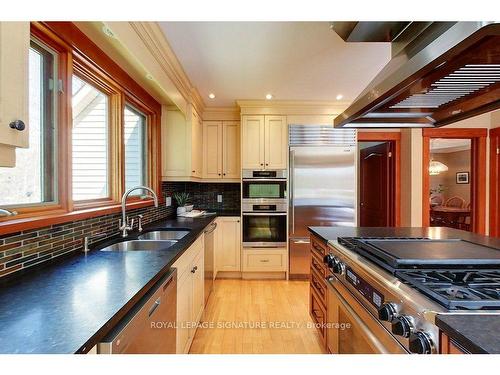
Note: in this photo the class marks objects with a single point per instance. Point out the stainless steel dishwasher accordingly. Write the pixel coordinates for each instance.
(149, 328)
(209, 260)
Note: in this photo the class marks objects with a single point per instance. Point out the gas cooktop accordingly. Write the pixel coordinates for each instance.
(457, 289)
(457, 274)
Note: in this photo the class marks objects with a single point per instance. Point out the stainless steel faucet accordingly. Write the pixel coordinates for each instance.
(4, 212)
(87, 239)
(125, 225)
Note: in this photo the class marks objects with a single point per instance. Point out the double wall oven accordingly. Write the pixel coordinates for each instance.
(264, 208)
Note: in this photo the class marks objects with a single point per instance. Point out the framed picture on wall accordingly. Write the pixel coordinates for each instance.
(462, 177)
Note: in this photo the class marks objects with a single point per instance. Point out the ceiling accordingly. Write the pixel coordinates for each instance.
(445, 145)
(290, 60)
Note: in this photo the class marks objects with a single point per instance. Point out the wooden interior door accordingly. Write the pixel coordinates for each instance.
(494, 182)
(375, 186)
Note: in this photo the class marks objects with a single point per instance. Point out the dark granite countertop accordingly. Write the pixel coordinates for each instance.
(70, 305)
(475, 333)
(332, 233)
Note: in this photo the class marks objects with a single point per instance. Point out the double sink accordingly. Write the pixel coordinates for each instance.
(150, 241)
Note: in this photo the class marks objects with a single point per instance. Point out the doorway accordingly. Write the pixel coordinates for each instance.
(495, 182)
(378, 179)
(454, 178)
(449, 183)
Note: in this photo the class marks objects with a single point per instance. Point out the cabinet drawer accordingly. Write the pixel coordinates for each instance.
(184, 262)
(318, 248)
(318, 285)
(265, 260)
(318, 266)
(318, 313)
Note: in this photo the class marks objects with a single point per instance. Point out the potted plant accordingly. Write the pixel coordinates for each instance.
(181, 199)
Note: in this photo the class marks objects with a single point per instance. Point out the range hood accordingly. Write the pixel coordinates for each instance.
(439, 73)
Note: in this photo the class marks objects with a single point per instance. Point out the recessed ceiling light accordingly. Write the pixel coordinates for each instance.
(269, 96)
(211, 95)
(339, 96)
(106, 30)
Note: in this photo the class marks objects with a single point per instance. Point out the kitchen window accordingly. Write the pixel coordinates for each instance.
(93, 133)
(90, 141)
(33, 181)
(135, 139)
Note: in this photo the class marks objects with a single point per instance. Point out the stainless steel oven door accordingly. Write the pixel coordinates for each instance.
(264, 229)
(256, 189)
(352, 329)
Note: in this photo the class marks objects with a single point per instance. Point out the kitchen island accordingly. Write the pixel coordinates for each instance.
(447, 296)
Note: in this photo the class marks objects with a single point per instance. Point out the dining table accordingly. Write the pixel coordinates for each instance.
(450, 215)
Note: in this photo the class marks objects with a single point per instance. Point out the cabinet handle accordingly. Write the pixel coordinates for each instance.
(193, 171)
(223, 174)
(195, 268)
(154, 307)
(262, 164)
(219, 174)
(264, 260)
(267, 164)
(18, 125)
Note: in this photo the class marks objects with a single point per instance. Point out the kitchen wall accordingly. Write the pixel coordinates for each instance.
(411, 167)
(458, 161)
(20, 251)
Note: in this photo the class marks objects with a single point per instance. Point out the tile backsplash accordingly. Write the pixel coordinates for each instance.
(21, 250)
(204, 195)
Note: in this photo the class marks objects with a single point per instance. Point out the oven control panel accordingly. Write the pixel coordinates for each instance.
(364, 288)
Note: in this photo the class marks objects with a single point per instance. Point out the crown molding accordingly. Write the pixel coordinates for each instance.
(155, 41)
(221, 114)
(291, 107)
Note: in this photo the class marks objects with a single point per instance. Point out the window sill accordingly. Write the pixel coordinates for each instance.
(29, 221)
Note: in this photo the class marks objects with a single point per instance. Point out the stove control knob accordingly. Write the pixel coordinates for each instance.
(339, 267)
(401, 326)
(387, 312)
(329, 260)
(420, 343)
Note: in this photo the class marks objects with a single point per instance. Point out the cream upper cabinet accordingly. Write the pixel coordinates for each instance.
(212, 149)
(182, 145)
(264, 142)
(228, 249)
(196, 146)
(252, 142)
(14, 93)
(276, 145)
(221, 150)
(231, 167)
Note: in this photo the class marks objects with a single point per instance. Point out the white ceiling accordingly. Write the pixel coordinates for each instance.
(445, 145)
(291, 60)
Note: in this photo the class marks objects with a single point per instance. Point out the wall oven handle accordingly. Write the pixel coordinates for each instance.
(359, 323)
(264, 213)
(264, 179)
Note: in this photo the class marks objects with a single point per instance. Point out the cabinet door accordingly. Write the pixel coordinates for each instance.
(276, 145)
(212, 149)
(196, 146)
(198, 275)
(252, 138)
(229, 252)
(184, 312)
(14, 75)
(231, 150)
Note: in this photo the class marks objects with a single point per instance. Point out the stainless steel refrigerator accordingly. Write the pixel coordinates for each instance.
(322, 186)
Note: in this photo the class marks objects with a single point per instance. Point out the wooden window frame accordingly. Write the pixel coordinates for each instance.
(78, 54)
(478, 138)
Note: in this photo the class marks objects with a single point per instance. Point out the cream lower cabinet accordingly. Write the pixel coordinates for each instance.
(14, 92)
(265, 260)
(228, 244)
(190, 294)
(221, 150)
(264, 142)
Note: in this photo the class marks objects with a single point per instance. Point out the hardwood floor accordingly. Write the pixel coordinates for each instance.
(237, 307)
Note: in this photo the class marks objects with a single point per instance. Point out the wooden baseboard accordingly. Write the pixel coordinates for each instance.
(263, 275)
(228, 275)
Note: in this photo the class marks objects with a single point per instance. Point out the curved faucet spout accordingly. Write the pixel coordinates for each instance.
(124, 225)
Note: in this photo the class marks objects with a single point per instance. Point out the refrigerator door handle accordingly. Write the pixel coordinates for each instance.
(292, 193)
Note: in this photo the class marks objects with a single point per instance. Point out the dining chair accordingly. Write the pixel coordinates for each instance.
(457, 202)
